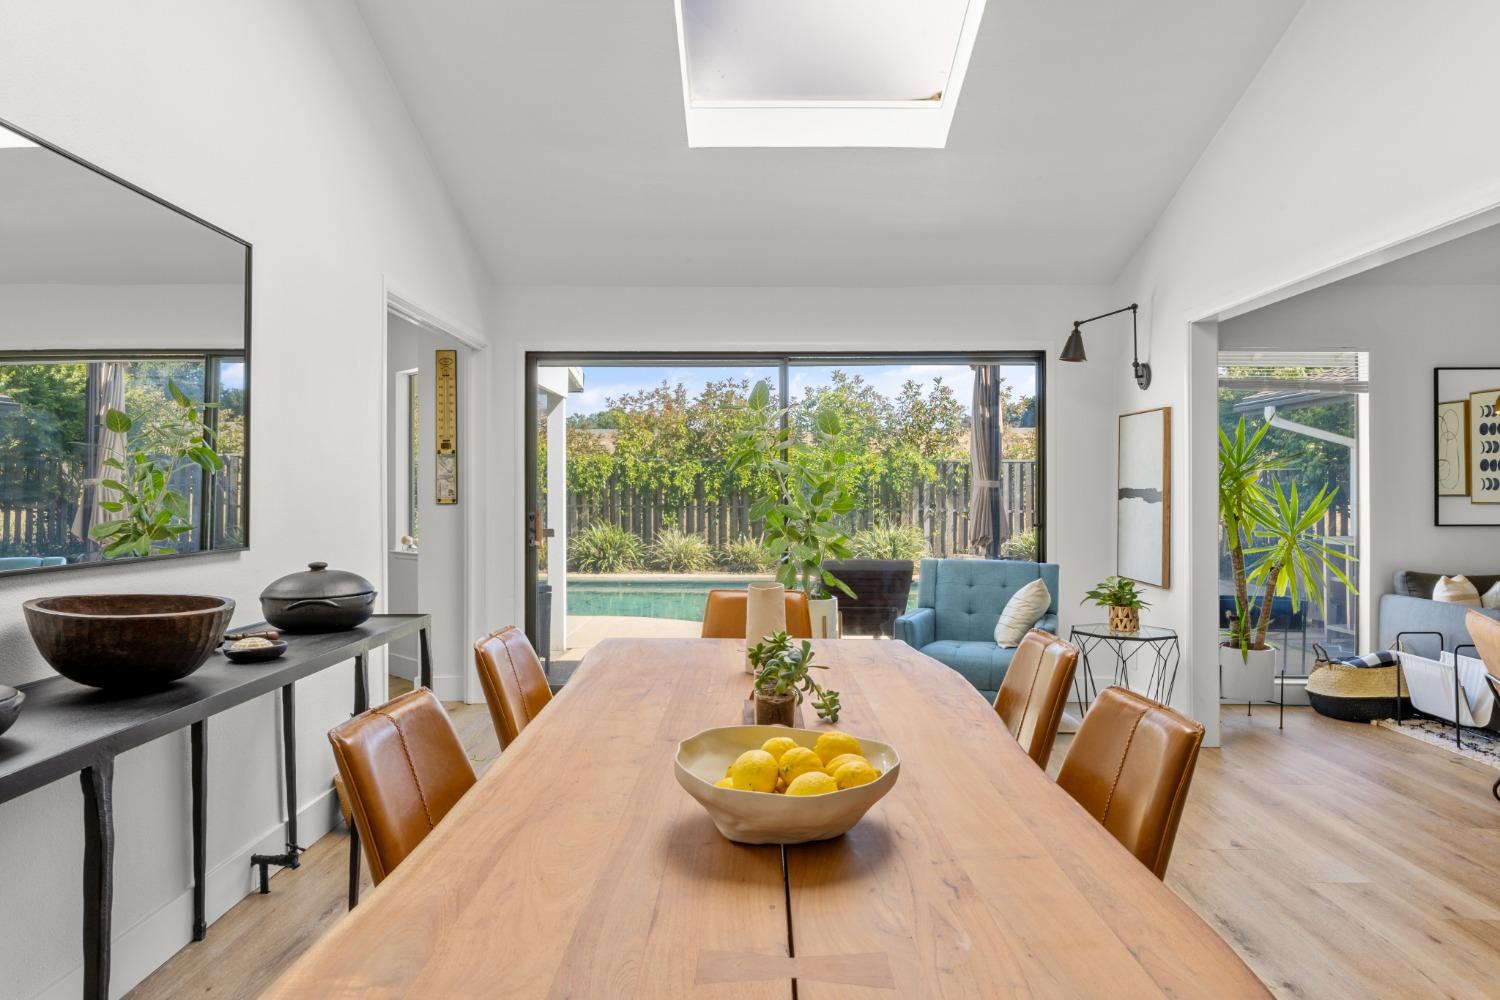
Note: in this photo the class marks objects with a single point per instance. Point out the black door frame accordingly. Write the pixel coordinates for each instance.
(784, 361)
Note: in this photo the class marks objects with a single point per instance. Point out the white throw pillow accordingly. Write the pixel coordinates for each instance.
(1491, 598)
(1021, 612)
(1456, 590)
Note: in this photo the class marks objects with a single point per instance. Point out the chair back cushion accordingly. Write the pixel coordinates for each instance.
(967, 595)
(1035, 692)
(1130, 766)
(515, 686)
(403, 768)
(724, 614)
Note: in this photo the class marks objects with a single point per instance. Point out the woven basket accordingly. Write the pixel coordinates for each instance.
(1354, 694)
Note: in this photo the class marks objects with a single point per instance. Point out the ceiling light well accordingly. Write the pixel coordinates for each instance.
(835, 73)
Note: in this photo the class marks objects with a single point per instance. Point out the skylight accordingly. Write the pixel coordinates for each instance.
(823, 72)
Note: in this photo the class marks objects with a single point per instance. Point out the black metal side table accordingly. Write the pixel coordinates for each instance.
(1166, 656)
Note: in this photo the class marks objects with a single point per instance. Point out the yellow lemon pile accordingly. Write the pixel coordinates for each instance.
(782, 765)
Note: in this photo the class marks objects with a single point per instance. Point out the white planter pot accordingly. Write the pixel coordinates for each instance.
(1252, 680)
(824, 612)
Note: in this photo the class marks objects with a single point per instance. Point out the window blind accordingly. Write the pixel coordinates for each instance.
(1281, 371)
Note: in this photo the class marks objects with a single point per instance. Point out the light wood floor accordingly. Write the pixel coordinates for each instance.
(1339, 860)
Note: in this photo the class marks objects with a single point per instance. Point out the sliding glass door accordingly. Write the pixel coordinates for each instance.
(636, 513)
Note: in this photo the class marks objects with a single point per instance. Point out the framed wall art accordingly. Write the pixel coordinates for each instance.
(1466, 446)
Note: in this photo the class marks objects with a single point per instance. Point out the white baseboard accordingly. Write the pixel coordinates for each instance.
(448, 688)
(140, 949)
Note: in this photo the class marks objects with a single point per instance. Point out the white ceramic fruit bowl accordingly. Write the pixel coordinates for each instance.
(765, 818)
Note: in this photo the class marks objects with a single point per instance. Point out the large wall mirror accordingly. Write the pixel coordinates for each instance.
(124, 370)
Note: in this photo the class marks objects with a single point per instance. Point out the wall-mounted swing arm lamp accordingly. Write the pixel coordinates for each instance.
(1073, 349)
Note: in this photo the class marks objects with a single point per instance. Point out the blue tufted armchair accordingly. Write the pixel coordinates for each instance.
(958, 603)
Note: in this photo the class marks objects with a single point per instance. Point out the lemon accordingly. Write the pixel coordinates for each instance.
(724, 783)
(854, 773)
(811, 783)
(778, 745)
(842, 759)
(797, 761)
(754, 771)
(831, 745)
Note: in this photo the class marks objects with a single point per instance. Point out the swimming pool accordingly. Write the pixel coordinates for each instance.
(652, 596)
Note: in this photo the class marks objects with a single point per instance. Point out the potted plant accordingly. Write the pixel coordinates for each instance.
(1273, 527)
(782, 678)
(806, 498)
(1122, 599)
(151, 514)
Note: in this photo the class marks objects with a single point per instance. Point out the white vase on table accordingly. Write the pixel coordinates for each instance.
(765, 614)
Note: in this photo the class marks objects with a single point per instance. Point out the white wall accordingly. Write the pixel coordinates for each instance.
(48, 317)
(1408, 330)
(1080, 416)
(1366, 126)
(277, 121)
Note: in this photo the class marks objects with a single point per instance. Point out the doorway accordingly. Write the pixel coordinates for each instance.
(425, 526)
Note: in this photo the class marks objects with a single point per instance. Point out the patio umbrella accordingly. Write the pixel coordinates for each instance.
(986, 518)
(106, 391)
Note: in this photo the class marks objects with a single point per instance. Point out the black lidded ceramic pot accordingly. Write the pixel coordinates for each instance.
(318, 599)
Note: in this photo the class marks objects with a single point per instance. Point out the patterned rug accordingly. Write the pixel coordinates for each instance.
(1479, 744)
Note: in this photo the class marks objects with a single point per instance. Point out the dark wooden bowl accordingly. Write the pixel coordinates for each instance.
(127, 643)
(10, 706)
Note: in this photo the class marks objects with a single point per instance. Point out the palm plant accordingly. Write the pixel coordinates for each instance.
(1273, 526)
(1292, 559)
(1242, 505)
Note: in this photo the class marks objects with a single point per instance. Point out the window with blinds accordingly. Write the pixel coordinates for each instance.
(1280, 371)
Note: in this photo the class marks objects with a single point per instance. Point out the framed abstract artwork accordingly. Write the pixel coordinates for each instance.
(1143, 500)
(1466, 446)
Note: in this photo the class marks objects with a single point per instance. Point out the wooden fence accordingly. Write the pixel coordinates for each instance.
(33, 525)
(940, 508)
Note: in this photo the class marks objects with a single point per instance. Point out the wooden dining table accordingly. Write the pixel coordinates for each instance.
(578, 867)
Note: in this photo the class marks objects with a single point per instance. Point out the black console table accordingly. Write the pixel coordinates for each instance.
(66, 728)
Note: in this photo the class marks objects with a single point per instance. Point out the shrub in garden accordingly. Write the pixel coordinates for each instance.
(889, 541)
(1021, 545)
(604, 548)
(745, 555)
(677, 551)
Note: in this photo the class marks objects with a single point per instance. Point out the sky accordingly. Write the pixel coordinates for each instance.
(602, 382)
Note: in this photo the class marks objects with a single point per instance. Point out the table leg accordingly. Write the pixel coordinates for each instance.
(98, 874)
(353, 866)
(361, 685)
(425, 658)
(198, 736)
(289, 858)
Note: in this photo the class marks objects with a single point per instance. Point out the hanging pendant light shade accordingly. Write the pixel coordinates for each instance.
(1073, 349)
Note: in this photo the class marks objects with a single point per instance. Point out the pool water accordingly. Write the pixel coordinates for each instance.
(682, 599)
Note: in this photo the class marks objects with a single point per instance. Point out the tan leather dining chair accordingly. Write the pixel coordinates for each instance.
(403, 768)
(515, 686)
(1485, 631)
(1035, 692)
(724, 615)
(1130, 766)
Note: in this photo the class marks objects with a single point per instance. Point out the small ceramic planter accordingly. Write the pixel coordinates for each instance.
(775, 709)
(1124, 619)
(824, 613)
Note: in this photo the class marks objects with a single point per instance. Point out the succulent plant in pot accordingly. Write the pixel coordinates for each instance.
(782, 679)
(1123, 600)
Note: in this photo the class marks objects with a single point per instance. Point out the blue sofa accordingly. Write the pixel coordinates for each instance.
(1412, 609)
(958, 603)
(30, 562)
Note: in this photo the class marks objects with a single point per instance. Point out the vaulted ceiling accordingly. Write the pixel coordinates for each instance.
(558, 128)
